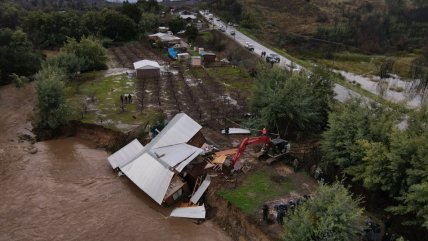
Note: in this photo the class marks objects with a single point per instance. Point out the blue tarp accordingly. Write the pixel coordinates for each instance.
(172, 53)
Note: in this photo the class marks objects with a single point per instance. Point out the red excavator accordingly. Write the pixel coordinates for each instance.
(273, 148)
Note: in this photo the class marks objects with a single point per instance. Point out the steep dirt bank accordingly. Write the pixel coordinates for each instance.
(238, 225)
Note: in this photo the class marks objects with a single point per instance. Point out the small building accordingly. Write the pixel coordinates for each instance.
(163, 29)
(196, 61)
(166, 39)
(182, 56)
(207, 57)
(147, 69)
(188, 16)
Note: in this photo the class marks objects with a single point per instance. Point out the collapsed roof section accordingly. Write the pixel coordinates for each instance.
(152, 167)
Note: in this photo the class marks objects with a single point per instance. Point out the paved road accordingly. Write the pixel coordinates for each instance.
(342, 93)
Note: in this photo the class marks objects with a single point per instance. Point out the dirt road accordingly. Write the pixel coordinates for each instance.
(67, 191)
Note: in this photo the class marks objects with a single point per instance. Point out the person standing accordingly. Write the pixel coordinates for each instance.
(121, 99)
(129, 98)
(265, 213)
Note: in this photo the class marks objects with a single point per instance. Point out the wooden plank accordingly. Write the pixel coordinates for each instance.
(226, 152)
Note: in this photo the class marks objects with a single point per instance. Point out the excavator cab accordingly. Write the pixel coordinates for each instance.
(279, 146)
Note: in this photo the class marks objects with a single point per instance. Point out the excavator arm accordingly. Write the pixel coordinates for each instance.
(249, 141)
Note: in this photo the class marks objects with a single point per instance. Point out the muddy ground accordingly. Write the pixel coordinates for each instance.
(67, 191)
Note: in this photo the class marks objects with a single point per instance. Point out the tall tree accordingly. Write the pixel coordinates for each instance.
(53, 110)
(332, 215)
(16, 55)
(89, 50)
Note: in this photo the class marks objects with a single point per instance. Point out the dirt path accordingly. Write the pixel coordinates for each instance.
(67, 191)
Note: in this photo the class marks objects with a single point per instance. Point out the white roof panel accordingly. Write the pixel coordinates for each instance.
(125, 154)
(183, 164)
(146, 64)
(204, 186)
(180, 129)
(189, 212)
(150, 175)
(237, 131)
(175, 154)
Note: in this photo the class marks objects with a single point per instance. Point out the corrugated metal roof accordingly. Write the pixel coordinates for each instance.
(149, 175)
(125, 154)
(204, 186)
(182, 165)
(180, 129)
(189, 212)
(175, 154)
(149, 167)
(146, 64)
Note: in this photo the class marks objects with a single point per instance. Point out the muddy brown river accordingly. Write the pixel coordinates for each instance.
(67, 190)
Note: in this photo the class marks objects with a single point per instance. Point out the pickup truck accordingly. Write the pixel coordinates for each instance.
(249, 46)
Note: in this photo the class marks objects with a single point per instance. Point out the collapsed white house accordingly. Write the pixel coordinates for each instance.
(157, 167)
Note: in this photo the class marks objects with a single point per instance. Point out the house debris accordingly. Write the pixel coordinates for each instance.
(166, 166)
(237, 131)
(189, 212)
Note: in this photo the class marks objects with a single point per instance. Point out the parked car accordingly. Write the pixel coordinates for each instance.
(222, 29)
(230, 23)
(249, 46)
(232, 33)
(272, 58)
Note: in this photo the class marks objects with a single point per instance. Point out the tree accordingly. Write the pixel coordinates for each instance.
(176, 25)
(90, 52)
(53, 110)
(192, 32)
(16, 55)
(117, 26)
(69, 62)
(10, 14)
(148, 22)
(132, 11)
(92, 21)
(288, 102)
(332, 215)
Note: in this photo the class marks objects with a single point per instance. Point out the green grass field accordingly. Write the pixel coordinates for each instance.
(106, 107)
(257, 188)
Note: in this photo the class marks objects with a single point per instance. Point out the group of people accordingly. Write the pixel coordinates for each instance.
(373, 231)
(263, 54)
(126, 99)
(282, 209)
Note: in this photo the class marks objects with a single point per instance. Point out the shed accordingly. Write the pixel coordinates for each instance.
(147, 69)
(183, 56)
(165, 38)
(207, 57)
(196, 61)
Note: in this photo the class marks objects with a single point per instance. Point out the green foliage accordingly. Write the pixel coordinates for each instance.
(148, 22)
(366, 143)
(16, 55)
(332, 215)
(176, 24)
(10, 14)
(92, 22)
(89, 50)
(118, 27)
(192, 32)
(69, 62)
(294, 103)
(132, 11)
(19, 81)
(249, 19)
(53, 110)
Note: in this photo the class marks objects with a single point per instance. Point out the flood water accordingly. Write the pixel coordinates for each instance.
(67, 191)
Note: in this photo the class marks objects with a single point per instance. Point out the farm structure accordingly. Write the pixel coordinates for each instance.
(147, 69)
(178, 89)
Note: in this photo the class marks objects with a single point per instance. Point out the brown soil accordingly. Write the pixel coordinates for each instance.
(66, 190)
